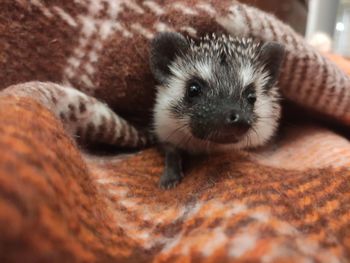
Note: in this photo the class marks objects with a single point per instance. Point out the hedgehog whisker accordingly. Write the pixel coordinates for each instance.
(186, 140)
(182, 127)
(255, 131)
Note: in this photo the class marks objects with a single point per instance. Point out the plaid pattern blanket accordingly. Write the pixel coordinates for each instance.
(76, 74)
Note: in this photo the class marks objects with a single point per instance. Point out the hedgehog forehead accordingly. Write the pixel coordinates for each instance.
(233, 48)
(203, 60)
(239, 54)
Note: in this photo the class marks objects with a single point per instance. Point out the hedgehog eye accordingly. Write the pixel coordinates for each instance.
(194, 89)
(251, 98)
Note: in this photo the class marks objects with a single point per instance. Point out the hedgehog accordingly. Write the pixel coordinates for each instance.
(216, 93)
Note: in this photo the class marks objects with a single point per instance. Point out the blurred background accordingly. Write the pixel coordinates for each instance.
(324, 23)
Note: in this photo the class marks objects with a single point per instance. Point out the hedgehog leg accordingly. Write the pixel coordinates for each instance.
(173, 168)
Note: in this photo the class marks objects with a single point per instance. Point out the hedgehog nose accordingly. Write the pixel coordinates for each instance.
(232, 118)
(237, 121)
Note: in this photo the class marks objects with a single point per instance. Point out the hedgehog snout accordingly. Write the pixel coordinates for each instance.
(223, 124)
(238, 122)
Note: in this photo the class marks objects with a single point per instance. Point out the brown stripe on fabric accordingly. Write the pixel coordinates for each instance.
(259, 194)
(290, 74)
(307, 178)
(147, 224)
(293, 37)
(144, 139)
(248, 20)
(169, 230)
(216, 223)
(73, 117)
(330, 96)
(288, 37)
(294, 81)
(14, 200)
(132, 140)
(341, 97)
(344, 234)
(271, 27)
(112, 125)
(335, 215)
(193, 225)
(284, 79)
(90, 131)
(329, 93)
(268, 232)
(301, 80)
(279, 204)
(140, 139)
(232, 229)
(309, 89)
(341, 215)
(320, 203)
(312, 86)
(40, 93)
(71, 107)
(103, 12)
(100, 135)
(322, 86)
(132, 136)
(279, 209)
(52, 96)
(316, 227)
(288, 180)
(120, 132)
(62, 116)
(346, 111)
(82, 106)
(303, 212)
(54, 100)
(263, 198)
(285, 62)
(322, 223)
(284, 39)
(59, 92)
(129, 214)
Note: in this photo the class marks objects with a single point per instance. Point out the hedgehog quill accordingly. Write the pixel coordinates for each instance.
(215, 94)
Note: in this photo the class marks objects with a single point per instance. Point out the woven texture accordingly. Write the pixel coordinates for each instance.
(85, 64)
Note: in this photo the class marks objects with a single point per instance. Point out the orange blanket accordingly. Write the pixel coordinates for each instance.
(63, 202)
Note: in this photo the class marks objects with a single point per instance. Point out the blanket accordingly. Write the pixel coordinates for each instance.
(75, 74)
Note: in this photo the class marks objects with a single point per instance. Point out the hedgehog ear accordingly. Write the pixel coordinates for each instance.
(164, 48)
(272, 54)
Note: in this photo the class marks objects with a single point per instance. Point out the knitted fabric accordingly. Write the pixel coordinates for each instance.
(88, 78)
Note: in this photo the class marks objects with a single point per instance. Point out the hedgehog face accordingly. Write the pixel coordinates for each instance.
(223, 117)
(216, 93)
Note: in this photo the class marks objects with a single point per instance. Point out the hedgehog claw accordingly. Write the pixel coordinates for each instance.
(168, 182)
